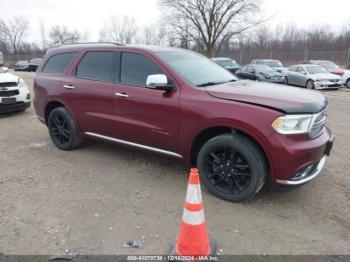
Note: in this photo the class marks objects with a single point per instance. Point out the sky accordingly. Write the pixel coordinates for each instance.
(89, 16)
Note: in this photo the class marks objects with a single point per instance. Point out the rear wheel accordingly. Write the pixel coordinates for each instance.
(348, 83)
(63, 130)
(286, 81)
(310, 84)
(232, 167)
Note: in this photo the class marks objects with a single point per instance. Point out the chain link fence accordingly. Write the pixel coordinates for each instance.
(341, 57)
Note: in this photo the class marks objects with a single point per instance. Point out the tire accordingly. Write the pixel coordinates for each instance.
(310, 84)
(286, 82)
(63, 131)
(232, 167)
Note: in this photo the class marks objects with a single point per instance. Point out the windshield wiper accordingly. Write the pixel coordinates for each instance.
(216, 83)
(209, 84)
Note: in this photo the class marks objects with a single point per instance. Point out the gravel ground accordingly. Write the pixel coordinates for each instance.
(94, 199)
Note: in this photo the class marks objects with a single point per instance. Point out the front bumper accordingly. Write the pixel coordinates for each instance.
(299, 159)
(306, 175)
(20, 106)
(328, 85)
(22, 100)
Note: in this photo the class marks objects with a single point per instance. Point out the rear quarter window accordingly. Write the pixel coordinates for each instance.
(58, 63)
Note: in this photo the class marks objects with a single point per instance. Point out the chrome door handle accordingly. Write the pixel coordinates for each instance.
(123, 95)
(68, 87)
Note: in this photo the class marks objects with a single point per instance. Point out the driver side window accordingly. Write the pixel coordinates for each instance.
(135, 68)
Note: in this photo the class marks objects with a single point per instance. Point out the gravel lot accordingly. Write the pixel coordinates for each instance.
(94, 199)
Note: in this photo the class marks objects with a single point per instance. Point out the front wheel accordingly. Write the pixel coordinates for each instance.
(310, 84)
(63, 130)
(232, 167)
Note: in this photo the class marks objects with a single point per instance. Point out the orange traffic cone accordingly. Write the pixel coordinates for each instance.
(193, 237)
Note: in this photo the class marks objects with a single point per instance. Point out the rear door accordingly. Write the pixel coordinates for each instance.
(89, 91)
(145, 116)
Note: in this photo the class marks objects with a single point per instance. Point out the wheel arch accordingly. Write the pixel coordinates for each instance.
(51, 106)
(210, 132)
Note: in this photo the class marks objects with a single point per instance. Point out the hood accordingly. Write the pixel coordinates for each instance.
(325, 76)
(7, 77)
(290, 100)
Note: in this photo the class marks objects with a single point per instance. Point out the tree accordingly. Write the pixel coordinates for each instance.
(118, 30)
(153, 34)
(13, 32)
(212, 22)
(61, 35)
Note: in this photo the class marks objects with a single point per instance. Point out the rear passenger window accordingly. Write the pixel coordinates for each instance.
(97, 66)
(58, 63)
(135, 69)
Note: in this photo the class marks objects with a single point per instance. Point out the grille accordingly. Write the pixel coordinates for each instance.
(333, 80)
(8, 84)
(9, 93)
(319, 124)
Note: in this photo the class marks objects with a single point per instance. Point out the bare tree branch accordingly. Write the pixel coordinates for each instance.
(13, 32)
(119, 30)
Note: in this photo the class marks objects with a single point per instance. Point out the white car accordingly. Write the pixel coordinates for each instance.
(14, 93)
(346, 78)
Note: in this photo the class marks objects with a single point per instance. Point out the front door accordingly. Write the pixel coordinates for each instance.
(145, 116)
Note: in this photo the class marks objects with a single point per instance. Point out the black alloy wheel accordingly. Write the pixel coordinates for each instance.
(63, 130)
(232, 167)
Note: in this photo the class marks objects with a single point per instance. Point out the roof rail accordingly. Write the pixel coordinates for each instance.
(93, 43)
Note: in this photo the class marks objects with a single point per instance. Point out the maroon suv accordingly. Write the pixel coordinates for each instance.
(240, 134)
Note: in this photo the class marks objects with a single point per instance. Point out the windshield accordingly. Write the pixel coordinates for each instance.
(274, 63)
(22, 62)
(264, 69)
(316, 70)
(329, 65)
(227, 63)
(196, 69)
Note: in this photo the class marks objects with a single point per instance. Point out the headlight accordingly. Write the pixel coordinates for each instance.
(21, 83)
(293, 124)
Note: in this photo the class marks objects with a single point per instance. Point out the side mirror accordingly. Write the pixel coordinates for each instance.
(159, 82)
(5, 69)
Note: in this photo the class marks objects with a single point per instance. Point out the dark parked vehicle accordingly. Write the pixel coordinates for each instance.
(328, 65)
(33, 64)
(262, 73)
(178, 103)
(227, 63)
(274, 64)
(21, 66)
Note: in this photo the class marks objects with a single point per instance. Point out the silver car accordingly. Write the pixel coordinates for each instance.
(312, 77)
